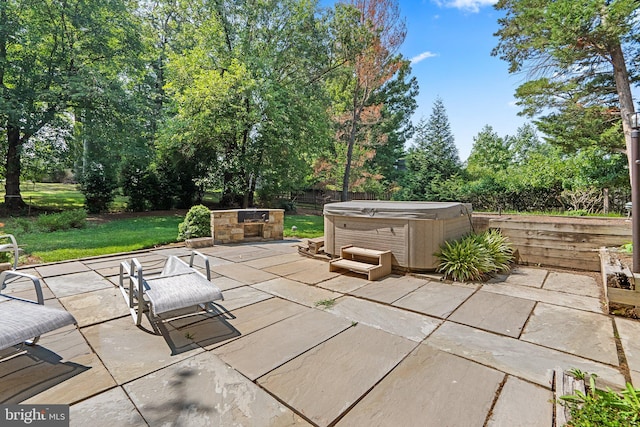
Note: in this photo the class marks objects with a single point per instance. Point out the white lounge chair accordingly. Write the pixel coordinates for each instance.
(178, 286)
(23, 320)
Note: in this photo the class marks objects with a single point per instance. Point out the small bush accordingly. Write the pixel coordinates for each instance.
(65, 220)
(475, 257)
(288, 205)
(603, 407)
(98, 186)
(197, 223)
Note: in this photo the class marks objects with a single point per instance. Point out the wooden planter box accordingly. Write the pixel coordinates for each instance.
(613, 272)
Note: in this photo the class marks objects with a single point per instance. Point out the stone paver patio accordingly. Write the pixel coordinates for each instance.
(402, 351)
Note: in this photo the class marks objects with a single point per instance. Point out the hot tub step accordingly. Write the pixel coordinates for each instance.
(375, 264)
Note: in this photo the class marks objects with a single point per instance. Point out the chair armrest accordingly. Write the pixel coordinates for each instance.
(8, 274)
(206, 262)
(14, 246)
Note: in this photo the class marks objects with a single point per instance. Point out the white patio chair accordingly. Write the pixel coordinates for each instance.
(23, 320)
(178, 286)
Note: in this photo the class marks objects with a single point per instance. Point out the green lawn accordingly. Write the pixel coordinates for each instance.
(111, 236)
(59, 197)
(122, 235)
(308, 226)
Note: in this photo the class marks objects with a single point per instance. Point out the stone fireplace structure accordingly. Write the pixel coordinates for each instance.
(247, 225)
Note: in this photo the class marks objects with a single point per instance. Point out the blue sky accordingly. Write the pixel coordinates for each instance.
(450, 43)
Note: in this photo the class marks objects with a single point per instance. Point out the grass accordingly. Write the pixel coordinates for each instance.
(114, 236)
(48, 196)
(307, 226)
(123, 235)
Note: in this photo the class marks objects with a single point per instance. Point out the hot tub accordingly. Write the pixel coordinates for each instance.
(412, 231)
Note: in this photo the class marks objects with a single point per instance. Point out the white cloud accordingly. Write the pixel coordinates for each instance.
(422, 57)
(466, 5)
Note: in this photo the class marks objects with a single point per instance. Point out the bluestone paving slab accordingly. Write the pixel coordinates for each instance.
(129, 352)
(317, 273)
(344, 283)
(238, 257)
(289, 268)
(522, 404)
(68, 347)
(522, 276)
(436, 298)
(88, 382)
(629, 331)
(24, 288)
(324, 382)
(211, 332)
(518, 358)
(256, 354)
(493, 312)
(429, 388)
(243, 273)
(109, 409)
(296, 291)
(97, 306)
(77, 283)
(579, 284)
(54, 371)
(273, 260)
(284, 246)
(49, 270)
(224, 283)
(203, 391)
(241, 297)
(585, 334)
(175, 251)
(548, 296)
(389, 289)
(413, 326)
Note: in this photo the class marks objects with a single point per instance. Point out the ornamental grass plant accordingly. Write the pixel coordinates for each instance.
(475, 257)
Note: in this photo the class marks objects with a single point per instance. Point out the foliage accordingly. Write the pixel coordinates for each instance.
(64, 220)
(369, 34)
(433, 160)
(197, 223)
(576, 58)
(603, 407)
(98, 185)
(325, 303)
(56, 57)
(97, 239)
(475, 256)
(247, 98)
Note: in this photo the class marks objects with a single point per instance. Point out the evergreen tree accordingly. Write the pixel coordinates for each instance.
(434, 158)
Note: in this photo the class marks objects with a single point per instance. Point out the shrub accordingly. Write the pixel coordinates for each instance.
(197, 223)
(603, 407)
(65, 220)
(98, 186)
(475, 257)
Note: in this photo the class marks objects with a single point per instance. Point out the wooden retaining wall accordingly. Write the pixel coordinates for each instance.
(567, 242)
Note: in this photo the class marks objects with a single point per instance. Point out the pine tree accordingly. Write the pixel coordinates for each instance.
(434, 158)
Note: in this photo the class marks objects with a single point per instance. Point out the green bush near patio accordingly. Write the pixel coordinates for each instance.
(197, 223)
(605, 408)
(475, 257)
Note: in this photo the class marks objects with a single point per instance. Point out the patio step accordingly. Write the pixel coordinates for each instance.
(373, 263)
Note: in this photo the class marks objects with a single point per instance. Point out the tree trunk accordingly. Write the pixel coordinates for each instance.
(344, 196)
(621, 77)
(13, 198)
